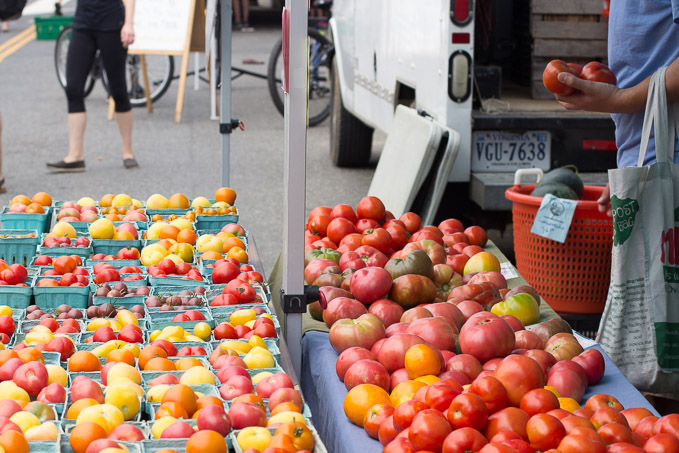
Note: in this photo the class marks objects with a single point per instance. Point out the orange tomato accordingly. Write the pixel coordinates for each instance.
(282, 441)
(84, 361)
(206, 401)
(47, 282)
(206, 441)
(84, 434)
(404, 392)
(42, 198)
(188, 362)
(21, 199)
(7, 354)
(31, 355)
(183, 395)
(421, 360)
(211, 255)
(160, 364)
(600, 400)
(150, 352)
(232, 242)
(251, 398)
(169, 232)
(14, 442)
(34, 208)
(172, 409)
(106, 200)
(187, 236)
(121, 355)
(300, 434)
(239, 254)
(226, 194)
(77, 407)
(285, 407)
(363, 397)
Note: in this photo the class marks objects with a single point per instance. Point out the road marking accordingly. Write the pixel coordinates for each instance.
(17, 42)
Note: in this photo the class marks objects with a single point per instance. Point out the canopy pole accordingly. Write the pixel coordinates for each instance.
(225, 127)
(293, 300)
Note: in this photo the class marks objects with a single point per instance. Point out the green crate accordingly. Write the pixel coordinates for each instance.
(118, 263)
(18, 250)
(176, 282)
(111, 247)
(49, 27)
(53, 296)
(21, 221)
(17, 296)
(82, 252)
(166, 212)
(81, 227)
(215, 222)
(178, 445)
(162, 319)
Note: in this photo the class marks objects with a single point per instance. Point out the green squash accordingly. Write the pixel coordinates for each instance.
(566, 176)
(555, 188)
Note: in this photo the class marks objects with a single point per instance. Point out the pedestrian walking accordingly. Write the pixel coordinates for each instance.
(107, 26)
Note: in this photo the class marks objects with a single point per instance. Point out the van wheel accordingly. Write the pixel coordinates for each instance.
(350, 138)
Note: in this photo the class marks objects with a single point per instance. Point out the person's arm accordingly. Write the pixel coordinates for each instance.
(603, 97)
(127, 32)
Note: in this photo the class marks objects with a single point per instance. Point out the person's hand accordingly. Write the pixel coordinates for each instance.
(604, 201)
(127, 35)
(590, 96)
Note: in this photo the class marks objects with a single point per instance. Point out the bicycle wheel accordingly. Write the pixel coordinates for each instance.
(60, 56)
(160, 70)
(320, 56)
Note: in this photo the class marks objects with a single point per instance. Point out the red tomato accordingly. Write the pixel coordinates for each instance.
(7, 325)
(464, 440)
(577, 67)
(320, 210)
(371, 208)
(662, 443)
(467, 409)
(450, 226)
(387, 432)
(605, 415)
(519, 374)
(511, 418)
(497, 448)
(375, 416)
(378, 238)
(486, 336)
(615, 432)
(366, 224)
(635, 415)
(224, 272)
(477, 235)
(344, 211)
(550, 77)
(598, 72)
(645, 425)
(429, 430)
(338, 228)
(538, 401)
(668, 424)
(544, 431)
(411, 221)
(578, 443)
(399, 445)
(600, 400)
(406, 412)
(439, 395)
(491, 391)
(399, 236)
(243, 291)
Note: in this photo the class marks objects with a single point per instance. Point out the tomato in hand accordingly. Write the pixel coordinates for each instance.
(550, 77)
(598, 72)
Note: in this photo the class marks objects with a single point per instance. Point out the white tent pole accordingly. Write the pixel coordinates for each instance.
(225, 91)
(295, 176)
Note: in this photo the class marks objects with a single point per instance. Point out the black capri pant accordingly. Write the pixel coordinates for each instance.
(81, 52)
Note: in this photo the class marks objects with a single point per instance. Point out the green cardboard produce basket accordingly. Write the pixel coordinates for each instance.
(48, 28)
(20, 250)
(53, 296)
(17, 296)
(82, 252)
(21, 221)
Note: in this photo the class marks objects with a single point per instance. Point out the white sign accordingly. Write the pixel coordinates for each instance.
(161, 25)
(498, 151)
(554, 218)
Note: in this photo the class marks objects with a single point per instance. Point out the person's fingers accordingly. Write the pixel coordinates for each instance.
(572, 80)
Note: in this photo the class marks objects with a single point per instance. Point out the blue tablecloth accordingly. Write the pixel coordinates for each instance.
(325, 393)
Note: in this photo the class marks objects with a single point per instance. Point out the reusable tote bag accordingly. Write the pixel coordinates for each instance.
(640, 325)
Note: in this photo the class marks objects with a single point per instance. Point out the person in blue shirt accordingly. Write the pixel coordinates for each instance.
(642, 37)
(106, 26)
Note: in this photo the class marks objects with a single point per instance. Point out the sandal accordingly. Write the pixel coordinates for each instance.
(130, 163)
(66, 167)
(3, 188)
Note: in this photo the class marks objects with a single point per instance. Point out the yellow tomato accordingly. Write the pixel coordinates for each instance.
(254, 437)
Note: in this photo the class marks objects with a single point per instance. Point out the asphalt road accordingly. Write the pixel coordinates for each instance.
(173, 157)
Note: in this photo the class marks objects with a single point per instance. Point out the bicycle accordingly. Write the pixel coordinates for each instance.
(320, 58)
(160, 70)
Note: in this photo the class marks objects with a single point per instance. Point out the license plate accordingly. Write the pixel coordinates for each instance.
(497, 151)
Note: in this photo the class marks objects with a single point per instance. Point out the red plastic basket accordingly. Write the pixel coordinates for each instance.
(572, 277)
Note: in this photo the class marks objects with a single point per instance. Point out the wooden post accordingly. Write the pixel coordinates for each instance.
(147, 88)
(111, 108)
(185, 66)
